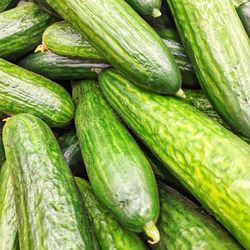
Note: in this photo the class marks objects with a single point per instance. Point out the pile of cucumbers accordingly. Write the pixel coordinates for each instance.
(124, 124)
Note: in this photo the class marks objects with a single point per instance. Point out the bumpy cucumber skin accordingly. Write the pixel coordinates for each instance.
(7, 4)
(110, 234)
(57, 67)
(8, 218)
(220, 56)
(244, 14)
(22, 91)
(49, 208)
(184, 225)
(21, 29)
(126, 41)
(118, 171)
(210, 161)
(145, 7)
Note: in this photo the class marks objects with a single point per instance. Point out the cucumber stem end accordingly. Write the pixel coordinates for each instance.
(156, 13)
(152, 232)
(180, 93)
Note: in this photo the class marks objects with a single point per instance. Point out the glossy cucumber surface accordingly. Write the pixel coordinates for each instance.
(244, 14)
(210, 161)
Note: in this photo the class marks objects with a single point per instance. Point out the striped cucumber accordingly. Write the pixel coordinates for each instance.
(8, 218)
(209, 160)
(110, 234)
(22, 91)
(244, 14)
(219, 50)
(7, 4)
(21, 29)
(49, 208)
(126, 41)
(119, 173)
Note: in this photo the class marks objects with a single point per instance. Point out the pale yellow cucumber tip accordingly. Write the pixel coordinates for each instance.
(96, 70)
(156, 13)
(180, 93)
(41, 48)
(152, 232)
(6, 119)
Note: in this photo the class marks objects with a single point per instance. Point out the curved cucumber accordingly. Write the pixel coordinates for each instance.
(49, 209)
(220, 54)
(110, 234)
(57, 67)
(126, 41)
(244, 14)
(21, 29)
(22, 91)
(209, 160)
(184, 225)
(8, 218)
(7, 4)
(119, 173)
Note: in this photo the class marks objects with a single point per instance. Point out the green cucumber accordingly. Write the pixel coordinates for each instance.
(219, 50)
(49, 208)
(119, 173)
(8, 218)
(126, 41)
(244, 14)
(2, 154)
(21, 29)
(22, 91)
(57, 67)
(7, 4)
(210, 161)
(148, 7)
(110, 234)
(184, 225)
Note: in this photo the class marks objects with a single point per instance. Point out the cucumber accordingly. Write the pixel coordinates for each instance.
(219, 50)
(22, 91)
(209, 160)
(110, 234)
(2, 154)
(57, 67)
(184, 225)
(7, 4)
(244, 14)
(21, 29)
(8, 218)
(148, 7)
(49, 208)
(119, 173)
(126, 41)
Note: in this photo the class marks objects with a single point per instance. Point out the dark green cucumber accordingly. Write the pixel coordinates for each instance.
(57, 67)
(210, 161)
(184, 225)
(7, 4)
(2, 154)
(21, 29)
(110, 234)
(244, 14)
(219, 49)
(146, 8)
(8, 218)
(22, 91)
(49, 208)
(120, 174)
(126, 41)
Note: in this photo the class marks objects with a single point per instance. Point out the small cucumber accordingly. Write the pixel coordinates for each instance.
(244, 14)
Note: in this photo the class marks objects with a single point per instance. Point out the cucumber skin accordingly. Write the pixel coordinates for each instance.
(110, 234)
(17, 40)
(57, 67)
(49, 208)
(244, 14)
(129, 191)
(22, 91)
(2, 153)
(8, 218)
(184, 225)
(215, 175)
(126, 41)
(222, 69)
(7, 4)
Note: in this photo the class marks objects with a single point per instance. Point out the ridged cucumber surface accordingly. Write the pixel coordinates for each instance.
(184, 225)
(21, 29)
(57, 67)
(49, 208)
(110, 234)
(244, 14)
(8, 218)
(126, 41)
(7, 4)
(219, 49)
(210, 161)
(119, 173)
(22, 91)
